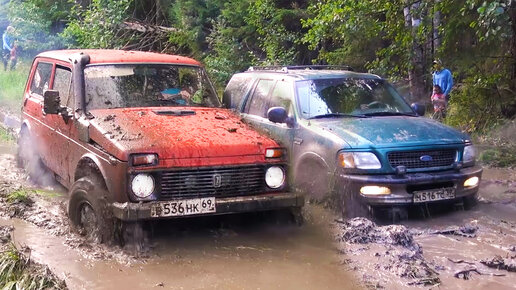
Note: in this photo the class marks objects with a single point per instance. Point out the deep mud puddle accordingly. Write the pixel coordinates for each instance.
(244, 254)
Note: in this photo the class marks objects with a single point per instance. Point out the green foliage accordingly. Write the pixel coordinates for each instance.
(98, 25)
(20, 196)
(500, 157)
(36, 22)
(193, 19)
(364, 34)
(18, 272)
(12, 84)
(493, 20)
(5, 136)
(279, 28)
(232, 43)
(477, 104)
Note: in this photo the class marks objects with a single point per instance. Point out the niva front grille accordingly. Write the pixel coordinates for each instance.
(422, 159)
(221, 181)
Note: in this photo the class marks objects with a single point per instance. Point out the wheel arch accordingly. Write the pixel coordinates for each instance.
(89, 164)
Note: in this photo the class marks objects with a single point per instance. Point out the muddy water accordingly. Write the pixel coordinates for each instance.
(252, 252)
(446, 250)
(249, 255)
(227, 252)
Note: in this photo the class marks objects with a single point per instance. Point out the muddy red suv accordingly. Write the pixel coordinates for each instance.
(139, 136)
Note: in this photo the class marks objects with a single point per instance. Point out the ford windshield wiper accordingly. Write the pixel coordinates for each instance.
(390, 114)
(337, 115)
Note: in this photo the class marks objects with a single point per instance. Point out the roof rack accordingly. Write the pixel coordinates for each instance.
(301, 67)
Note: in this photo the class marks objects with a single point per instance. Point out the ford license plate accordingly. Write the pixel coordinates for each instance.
(434, 194)
(184, 207)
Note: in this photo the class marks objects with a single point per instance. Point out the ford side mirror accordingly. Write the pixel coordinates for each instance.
(51, 102)
(277, 115)
(418, 108)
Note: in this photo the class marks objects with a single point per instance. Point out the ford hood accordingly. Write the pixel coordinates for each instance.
(179, 132)
(392, 131)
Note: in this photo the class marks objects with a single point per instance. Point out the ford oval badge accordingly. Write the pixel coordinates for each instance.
(426, 158)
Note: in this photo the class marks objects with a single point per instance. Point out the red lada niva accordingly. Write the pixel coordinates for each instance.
(139, 136)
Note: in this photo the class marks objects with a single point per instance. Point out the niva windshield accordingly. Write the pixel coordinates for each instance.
(147, 85)
(349, 97)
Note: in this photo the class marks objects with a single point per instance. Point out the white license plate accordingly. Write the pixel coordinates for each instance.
(434, 194)
(184, 207)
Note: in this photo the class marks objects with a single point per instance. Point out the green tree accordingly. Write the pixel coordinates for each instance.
(98, 25)
(37, 22)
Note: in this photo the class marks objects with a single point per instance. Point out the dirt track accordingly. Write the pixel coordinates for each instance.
(450, 250)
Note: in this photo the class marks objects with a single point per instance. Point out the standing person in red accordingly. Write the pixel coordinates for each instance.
(439, 101)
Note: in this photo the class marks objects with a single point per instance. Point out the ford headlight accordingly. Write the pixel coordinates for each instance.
(360, 160)
(142, 185)
(469, 154)
(275, 177)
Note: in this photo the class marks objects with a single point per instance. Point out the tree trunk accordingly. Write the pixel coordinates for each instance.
(512, 15)
(415, 73)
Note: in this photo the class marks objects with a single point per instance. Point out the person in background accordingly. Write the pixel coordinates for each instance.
(439, 101)
(442, 77)
(8, 44)
(14, 57)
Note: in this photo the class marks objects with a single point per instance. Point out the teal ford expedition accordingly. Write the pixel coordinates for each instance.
(352, 136)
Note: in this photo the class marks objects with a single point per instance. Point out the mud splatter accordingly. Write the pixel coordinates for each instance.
(392, 248)
(500, 263)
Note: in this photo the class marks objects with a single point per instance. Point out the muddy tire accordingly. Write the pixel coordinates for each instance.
(28, 159)
(88, 210)
(297, 216)
(470, 201)
(353, 206)
(313, 181)
(134, 237)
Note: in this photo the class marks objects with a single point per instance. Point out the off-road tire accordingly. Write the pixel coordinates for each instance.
(313, 182)
(353, 206)
(134, 236)
(28, 159)
(470, 201)
(89, 212)
(297, 216)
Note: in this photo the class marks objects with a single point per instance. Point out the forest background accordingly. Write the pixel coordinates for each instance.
(396, 39)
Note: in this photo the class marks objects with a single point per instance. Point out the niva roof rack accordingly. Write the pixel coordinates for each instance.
(300, 67)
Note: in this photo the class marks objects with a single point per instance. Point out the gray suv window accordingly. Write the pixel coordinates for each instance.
(236, 90)
(258, 104)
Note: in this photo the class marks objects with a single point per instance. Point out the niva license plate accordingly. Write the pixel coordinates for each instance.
(183, 207)
(434, 194)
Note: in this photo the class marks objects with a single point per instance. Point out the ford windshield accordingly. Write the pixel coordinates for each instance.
(347, 97)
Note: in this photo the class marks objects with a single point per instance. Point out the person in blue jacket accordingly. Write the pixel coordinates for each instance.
(443, 78)
(8, 46)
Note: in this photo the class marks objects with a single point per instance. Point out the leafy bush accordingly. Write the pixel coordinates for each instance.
(477, 104)
(97, 25)
(501, 157)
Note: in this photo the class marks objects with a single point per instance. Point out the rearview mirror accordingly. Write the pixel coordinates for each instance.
(51, 102)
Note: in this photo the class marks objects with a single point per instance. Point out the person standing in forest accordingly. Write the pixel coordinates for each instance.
(443, 78)
(8, 46)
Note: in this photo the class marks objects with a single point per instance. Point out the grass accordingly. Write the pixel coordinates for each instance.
(20, 196)
(12, 84)
(5, 137)
(18, 272)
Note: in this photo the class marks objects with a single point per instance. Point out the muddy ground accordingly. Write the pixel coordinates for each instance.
(451, 249)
